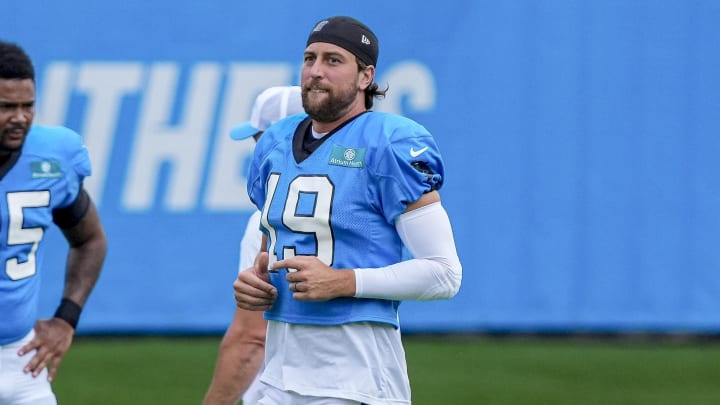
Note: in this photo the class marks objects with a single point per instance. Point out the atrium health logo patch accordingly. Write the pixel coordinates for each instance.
(347, 157)
(45, 169)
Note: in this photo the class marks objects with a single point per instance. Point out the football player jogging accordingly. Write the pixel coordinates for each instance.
(243, 346)
(341, 189)
(41, 184)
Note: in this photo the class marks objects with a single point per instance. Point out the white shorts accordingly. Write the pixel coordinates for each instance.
(17, 387)
(270, 395)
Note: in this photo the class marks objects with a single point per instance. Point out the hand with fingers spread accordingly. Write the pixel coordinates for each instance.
(52, 340)
(315, 281)
(253, 290)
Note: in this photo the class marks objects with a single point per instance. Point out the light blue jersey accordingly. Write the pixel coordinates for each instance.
(46, 175)
(340, 204)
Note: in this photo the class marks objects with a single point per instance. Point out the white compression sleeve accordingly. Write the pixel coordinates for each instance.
(435, 272)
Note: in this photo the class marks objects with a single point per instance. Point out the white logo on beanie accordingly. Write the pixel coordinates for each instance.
(320, 25)
(365, 40)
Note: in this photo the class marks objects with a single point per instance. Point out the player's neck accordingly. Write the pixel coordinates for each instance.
(317, 135)
(7, 160)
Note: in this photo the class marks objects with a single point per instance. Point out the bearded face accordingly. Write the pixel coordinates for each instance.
(332, 83)
(326, 104)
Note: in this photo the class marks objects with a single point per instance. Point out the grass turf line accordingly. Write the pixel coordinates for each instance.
(443, 370)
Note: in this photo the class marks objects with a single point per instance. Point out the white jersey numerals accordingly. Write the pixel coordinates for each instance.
(19, 235)
(316, 223)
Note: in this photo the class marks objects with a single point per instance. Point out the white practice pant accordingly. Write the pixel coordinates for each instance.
(17, 387)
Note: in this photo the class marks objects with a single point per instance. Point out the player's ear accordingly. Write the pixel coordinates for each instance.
(366, 77)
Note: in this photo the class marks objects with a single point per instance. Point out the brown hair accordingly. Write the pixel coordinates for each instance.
(373, 90)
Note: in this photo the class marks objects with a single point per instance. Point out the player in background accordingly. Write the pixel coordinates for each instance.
(242, 348)
(41, 184)
(340, 191)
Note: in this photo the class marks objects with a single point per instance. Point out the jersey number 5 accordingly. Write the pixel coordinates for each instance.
(19, 235)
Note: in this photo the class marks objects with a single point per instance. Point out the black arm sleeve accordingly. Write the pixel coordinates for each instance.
(69, 216)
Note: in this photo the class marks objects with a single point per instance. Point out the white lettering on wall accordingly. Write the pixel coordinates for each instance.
(183, 145)
(409, 81)
(105, 85)
(180, 140)
(227, 183)
(52, 106)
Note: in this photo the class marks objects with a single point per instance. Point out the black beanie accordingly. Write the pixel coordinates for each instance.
(350, 34)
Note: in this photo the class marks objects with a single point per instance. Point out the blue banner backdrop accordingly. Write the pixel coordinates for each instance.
(581, 140)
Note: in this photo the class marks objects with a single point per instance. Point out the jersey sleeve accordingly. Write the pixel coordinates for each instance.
(78, 160)
(255, 186)
(274, 144)
(408, 167)
(78, 155)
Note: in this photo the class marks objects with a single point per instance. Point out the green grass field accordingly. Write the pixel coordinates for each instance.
(443, 370)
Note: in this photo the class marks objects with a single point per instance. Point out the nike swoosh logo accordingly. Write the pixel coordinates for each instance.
(416, 153)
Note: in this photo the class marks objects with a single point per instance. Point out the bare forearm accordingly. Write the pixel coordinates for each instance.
(83, 269)
(240, 357)
(236, 368)
(88, 246)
